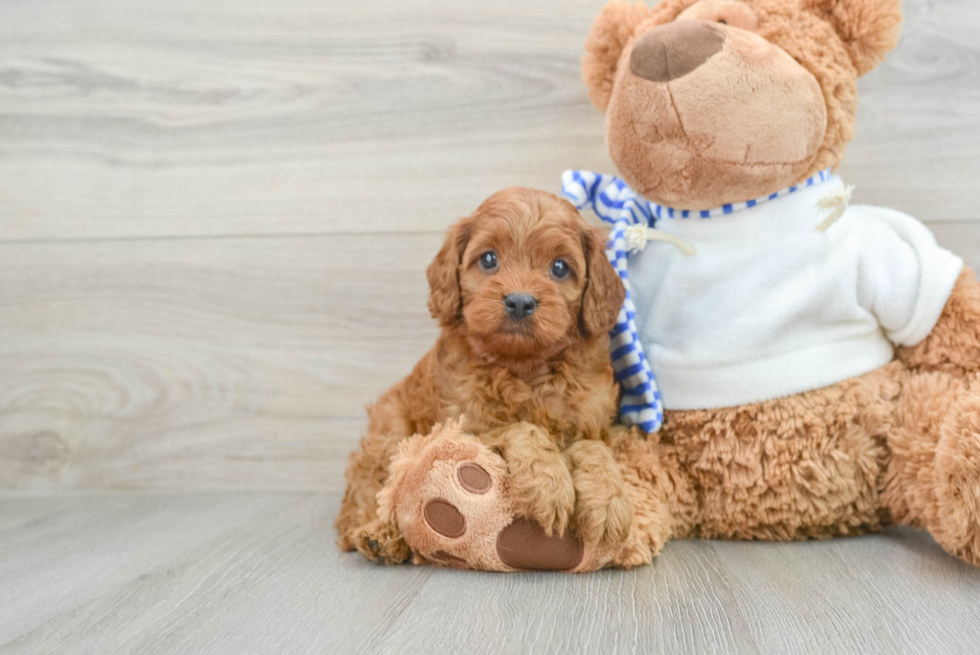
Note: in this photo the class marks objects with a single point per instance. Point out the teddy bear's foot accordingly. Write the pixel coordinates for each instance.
(449, 494)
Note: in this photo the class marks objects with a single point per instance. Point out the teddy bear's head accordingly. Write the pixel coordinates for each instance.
(711, 102)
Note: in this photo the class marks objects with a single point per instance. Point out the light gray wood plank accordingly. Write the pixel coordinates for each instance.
(212, 363)
(304, 116)
(918, 129)
(297, 116)
(67, 551)
(258, 573)
(202, 363)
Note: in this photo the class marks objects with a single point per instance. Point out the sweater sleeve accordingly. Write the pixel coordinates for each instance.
(905, 278)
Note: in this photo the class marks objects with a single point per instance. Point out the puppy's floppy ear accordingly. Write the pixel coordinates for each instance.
(611, 31)
(445, 302)
(604, 291)
(869, 28)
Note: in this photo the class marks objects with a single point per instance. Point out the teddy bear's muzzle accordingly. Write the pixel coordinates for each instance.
(707, 114)
(671, 51)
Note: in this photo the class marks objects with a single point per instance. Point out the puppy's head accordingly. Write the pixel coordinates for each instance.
(524, 277)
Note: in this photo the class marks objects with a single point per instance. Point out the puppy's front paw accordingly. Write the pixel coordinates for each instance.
(542, 489)
(604, 521)
(381, 543)
(603, 513)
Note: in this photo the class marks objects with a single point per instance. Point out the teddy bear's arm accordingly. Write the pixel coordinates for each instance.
(954, 343)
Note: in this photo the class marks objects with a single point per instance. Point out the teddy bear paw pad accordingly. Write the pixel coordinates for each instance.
(451, 499)
(474, 478)
(443, 517)
(524, 545)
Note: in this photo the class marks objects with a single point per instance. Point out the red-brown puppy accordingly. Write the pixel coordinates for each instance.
(525, 297)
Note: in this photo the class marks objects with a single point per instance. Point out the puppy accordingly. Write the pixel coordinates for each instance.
(525, 297)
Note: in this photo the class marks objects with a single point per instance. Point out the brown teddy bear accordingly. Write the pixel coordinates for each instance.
(818, 363)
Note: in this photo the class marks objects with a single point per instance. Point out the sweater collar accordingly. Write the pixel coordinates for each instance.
(610, 197)
(661, 211)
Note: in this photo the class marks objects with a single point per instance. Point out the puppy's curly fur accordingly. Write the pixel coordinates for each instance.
(549, 371)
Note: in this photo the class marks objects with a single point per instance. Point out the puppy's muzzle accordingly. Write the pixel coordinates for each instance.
(520, 305)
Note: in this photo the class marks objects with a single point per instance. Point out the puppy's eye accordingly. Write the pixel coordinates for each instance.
(488, 261)
(560, 269)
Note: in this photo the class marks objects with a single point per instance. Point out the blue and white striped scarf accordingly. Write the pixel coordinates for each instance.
(617, 204)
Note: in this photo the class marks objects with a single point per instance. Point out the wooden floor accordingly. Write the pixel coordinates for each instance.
(215, 219)
(257, 573)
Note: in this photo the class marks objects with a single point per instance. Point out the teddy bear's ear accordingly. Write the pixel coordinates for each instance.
(869, 28)
(611, 31)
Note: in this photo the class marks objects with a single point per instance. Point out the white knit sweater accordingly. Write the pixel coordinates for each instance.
(770, 307)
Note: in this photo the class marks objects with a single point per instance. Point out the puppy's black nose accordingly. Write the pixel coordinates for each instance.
(520, 305)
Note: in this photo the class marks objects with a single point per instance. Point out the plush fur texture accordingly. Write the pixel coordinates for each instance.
(898, 445)
(549, 374)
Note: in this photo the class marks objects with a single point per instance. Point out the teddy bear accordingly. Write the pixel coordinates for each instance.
(791, 366)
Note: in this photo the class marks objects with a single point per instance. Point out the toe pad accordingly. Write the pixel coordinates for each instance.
(474, 478)
(443, 517)
(524, 545)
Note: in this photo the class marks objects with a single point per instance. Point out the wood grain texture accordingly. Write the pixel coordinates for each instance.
(233, 363)
(309, 116)
(254, 573)
(299, 116)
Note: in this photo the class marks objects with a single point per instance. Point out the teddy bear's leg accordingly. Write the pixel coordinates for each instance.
(455, 499)
(933, 479)
(459, 503)
(934, 474)
(958, 477)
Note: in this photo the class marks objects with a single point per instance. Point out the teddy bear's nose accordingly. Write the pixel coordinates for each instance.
(673, 50)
